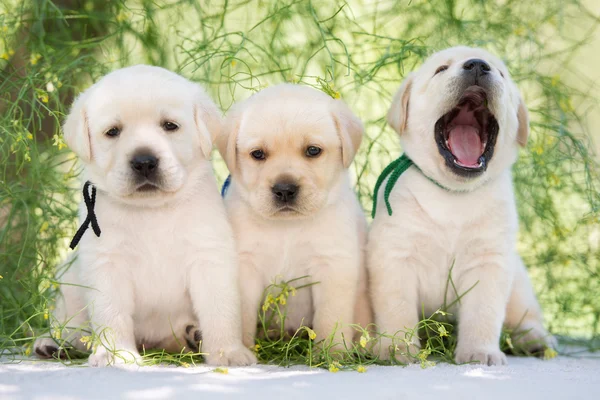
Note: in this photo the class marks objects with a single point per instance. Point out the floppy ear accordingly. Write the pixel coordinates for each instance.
(523, 117)
(227, 140)
(398, 114)
(208, 122)
(350, 130)
(76, 130)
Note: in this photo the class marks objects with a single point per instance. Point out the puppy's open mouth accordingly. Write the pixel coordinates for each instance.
(466, 135)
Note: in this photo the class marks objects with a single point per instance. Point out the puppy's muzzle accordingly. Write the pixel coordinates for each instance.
(144, 165)
(285, 193)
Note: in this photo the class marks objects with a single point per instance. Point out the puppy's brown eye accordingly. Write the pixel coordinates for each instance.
(313, 151)
(170, 126)
(441, 68)
(258, 155)
(113, 132)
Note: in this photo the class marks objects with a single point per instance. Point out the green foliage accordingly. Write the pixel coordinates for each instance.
(357, 50)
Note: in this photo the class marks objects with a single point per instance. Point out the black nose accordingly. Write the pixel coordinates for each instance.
(477, 66)
(285, 192)
(144, 164)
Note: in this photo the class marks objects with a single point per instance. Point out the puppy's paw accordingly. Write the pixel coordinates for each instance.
(480, 355)
(193, 337)
(103, 358)
(236, 355)
(48, 348)
(402, 352)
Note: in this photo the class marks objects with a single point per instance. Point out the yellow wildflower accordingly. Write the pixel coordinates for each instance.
(28, 350)
(361, 369)
(282, 300)
(121, 16)
(44, 226)
(363, 341)
(43, 96)
(509, 343)
(293, 291)
(58, 142)
(45, 314)
(35, 57)
(334, 367)
(56, 334)
(554, 81)
(87, 340)
(221, 370)
(4, 56)
(423, 354)
(442, 331)
(233, 63)
(311, 334)
(549, 354)
(185, 365)
(256, 347)
(566, 105)
(519, 31)
(29, 136)
(1, 277)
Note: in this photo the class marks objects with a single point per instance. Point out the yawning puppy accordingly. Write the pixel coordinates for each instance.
(292, 207)
(165, 260)
(460, 119)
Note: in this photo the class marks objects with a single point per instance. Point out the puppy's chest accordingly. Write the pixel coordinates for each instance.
(145, 247)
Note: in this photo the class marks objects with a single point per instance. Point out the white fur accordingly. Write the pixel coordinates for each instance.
(325, 237)
(411, 252)
(165, 259)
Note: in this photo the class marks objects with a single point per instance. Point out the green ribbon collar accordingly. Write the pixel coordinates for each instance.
(395, 170)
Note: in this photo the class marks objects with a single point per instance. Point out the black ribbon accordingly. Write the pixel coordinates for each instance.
(90, 202)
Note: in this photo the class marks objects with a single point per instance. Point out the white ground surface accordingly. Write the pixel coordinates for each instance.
(523, 378)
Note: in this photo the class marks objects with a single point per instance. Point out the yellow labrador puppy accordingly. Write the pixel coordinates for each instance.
(163, 260)
(293, 210)
(461, 120)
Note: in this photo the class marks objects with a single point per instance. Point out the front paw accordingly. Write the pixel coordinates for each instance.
(397, 349)
(48, 348)
(237, 355)
(483, 356)
(103, 357)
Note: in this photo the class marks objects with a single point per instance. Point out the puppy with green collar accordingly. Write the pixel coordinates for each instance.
(447, 207)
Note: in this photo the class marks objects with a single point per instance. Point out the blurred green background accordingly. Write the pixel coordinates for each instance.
(361, 50)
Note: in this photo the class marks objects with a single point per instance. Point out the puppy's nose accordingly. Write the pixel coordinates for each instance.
(477, 66)
(285, 192)
(144, 164)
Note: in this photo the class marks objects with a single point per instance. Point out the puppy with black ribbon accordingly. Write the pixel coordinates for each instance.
(155, 263)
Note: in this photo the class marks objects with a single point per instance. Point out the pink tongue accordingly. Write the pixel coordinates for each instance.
(465, 144)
